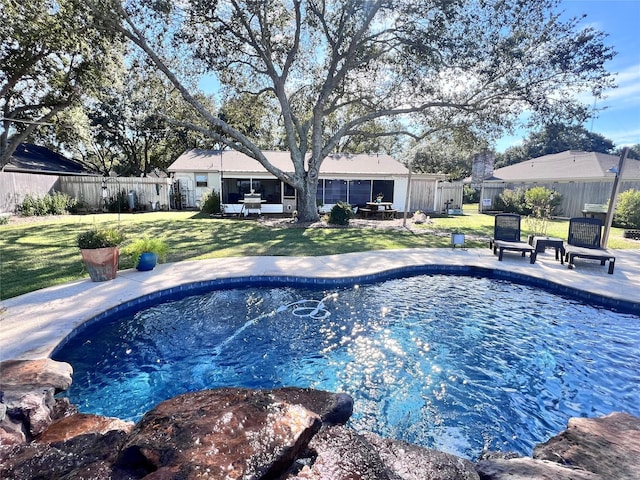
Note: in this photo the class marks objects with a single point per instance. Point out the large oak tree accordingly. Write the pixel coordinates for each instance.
(331, 70)
(51, 55)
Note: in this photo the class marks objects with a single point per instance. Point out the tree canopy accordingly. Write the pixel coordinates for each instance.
(331, 72)
(51, 55)
(555, 138)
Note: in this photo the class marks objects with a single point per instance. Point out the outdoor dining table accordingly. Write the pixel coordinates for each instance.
(384, 210)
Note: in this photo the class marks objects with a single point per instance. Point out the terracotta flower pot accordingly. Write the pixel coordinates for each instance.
(101, 263)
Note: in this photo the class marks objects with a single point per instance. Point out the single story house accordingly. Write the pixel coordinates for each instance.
(355, 179)
(579, 177)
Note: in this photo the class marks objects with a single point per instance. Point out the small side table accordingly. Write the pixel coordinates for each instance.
(542, 243)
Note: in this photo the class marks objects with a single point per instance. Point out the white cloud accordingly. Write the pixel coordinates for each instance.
(628, 90)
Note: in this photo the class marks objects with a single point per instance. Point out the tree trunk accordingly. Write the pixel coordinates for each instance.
(307, 206)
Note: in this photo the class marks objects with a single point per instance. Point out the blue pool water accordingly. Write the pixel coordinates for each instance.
(456, 363)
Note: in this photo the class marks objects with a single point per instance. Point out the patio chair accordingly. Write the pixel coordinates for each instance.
(584, 242)
(506, 236)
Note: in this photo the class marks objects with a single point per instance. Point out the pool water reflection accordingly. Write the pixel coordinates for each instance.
(456, 363)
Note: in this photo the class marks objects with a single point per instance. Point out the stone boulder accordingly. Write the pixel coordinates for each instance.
(82, 424)
(281, 434)
(528, 468)
(224, 433)
(608, 446)
(88, 456)
(412, 462)
(333, 408)
(27, 403)
(339, 453)
(591, 448)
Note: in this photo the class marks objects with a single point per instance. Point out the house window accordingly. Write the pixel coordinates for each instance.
(289, 191)
(270, 190)
(359, 192)
(234, 189)
(385, 187)
(335, 191)
(320, 193)
(202, 180)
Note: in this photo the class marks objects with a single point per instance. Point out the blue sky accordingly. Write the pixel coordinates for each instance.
(620, 19)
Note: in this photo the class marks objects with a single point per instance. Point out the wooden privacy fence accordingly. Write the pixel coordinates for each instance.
(147, 193)
(574, 195)
(431, 196)
(14, 187)
(450, 195)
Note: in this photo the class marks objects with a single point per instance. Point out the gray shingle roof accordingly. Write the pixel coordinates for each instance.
(571, 165)
(37, 159)
(231, 161)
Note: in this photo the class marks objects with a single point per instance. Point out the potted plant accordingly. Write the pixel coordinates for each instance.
(146, 252)
(100, 252)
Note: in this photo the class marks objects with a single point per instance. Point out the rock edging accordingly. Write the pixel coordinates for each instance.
(279, 434)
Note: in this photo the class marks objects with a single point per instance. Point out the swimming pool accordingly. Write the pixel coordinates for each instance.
(450, 362)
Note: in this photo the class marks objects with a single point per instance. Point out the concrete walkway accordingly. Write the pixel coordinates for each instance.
(32, 325)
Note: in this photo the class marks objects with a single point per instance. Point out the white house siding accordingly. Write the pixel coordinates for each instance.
(345, 168)
(195, 195)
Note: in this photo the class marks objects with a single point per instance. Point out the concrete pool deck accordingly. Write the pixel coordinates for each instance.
(32, 325)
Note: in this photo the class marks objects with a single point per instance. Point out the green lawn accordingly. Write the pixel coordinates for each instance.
(472, 223)
(42, 254)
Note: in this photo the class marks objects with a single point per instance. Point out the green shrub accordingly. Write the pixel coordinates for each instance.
(56, 204)
(100, 238)
(60, 203)
(211, 203)
(470, 194)
(542, 203)
(4, 219)
(31, 206)
(137, 247)
(513, 201)
(340, 214)
(627, 214)
(118, 203)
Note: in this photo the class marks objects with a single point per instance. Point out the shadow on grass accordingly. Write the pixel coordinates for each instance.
(38, 255)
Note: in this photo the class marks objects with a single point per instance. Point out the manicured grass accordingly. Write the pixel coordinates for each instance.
(42, 254)
(474, 224)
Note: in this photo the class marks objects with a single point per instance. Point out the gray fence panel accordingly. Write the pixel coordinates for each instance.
(574, 195)
(149, 191)
(15, 186)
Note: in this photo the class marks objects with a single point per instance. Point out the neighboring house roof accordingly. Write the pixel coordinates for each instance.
(571, 165)
(230, 161)
(36, 159)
